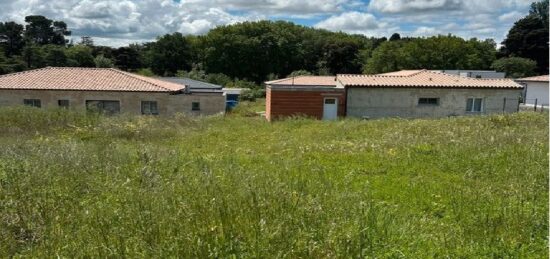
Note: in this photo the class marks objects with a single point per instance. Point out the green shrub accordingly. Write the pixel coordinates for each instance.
(300, 73)
(515, 67)
(103, 62)
(145, 72)
(252, 94)
(218, 79)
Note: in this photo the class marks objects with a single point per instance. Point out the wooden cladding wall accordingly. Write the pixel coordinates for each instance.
(281, 103)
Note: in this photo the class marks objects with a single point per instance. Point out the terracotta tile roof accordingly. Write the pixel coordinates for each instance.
(85, 79)
(305, 81)
(423, 78)
(542, 78)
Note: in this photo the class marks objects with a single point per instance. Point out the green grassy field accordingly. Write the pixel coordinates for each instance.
(76, 185)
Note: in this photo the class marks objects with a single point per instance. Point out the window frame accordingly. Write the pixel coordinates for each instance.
(473, 105)
(427, 101)
(197, 107)
(33, 103)
(102, 108)
(332, 101)
(151, 111)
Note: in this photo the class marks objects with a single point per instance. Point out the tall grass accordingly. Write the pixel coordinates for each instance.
(78, 185)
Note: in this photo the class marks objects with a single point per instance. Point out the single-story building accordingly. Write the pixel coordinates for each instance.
(192, 84)
(105, 89)
(535, 90)
(406, 94)
(232, 95)
(314, 96)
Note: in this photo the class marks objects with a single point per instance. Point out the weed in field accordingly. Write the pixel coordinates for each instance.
(81, 185)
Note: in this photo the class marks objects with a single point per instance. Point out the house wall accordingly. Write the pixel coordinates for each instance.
(538, 91)
(403, 102)
(130, 102)
(286, 102)
(210, 104)
(268, 103)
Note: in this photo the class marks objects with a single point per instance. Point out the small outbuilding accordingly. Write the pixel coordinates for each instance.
(535, 92)
(105, 89)
(233, 96)
(314, 96)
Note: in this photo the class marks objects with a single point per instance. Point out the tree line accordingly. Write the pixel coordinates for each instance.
(248, 53)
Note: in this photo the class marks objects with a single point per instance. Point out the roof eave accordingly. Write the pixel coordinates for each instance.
(434, 86)
(89, 90)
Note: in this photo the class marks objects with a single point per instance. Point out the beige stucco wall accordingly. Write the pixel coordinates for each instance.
(210, 103)
(130, 102)
(403, 102)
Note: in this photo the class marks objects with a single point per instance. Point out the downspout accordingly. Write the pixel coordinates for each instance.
(345, 96)
(345, 101)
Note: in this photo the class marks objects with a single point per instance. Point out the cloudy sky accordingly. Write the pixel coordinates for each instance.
(119, 22)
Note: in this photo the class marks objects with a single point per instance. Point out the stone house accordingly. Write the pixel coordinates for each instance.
(106, 89)
(405, 94)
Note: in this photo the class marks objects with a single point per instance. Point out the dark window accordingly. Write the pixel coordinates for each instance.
(474, 105)
(149, 108)
(330, 101)
(428, 101)
(478, 76)
(107, 107)
(195, 106)
(32, 102)
(63, 103)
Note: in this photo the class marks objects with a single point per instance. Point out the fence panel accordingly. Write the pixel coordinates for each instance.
(533, 104)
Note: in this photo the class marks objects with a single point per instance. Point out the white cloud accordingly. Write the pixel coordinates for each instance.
(510, 16)
(279, 7)
(405, 6)
(352, 21)
(117, 42)
(465, 18)
(398, 6)
(358, 23)
(117, 22)
(124, 20)
(425, 31)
